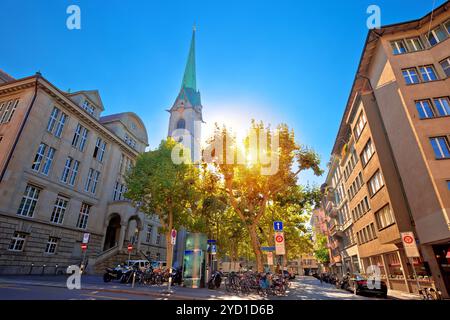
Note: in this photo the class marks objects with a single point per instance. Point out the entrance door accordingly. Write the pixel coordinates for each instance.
(442, 253)
(112, 233)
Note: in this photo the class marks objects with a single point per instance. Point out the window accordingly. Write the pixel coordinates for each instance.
(414, 44)
(447, 26)
(58, 119)
(29, 200)
(424, 109)
(87, 186)
(445, 64)
(48, 161)
(130, 141)
(51, 245)
(38, 157)
(99, 150)
(428, 73)
(410, 75)
(360, 125)
(367, 153)
(60, 126)
(73, 174)
(375, 183)
(442, 106)
(70, 171)
(436, 35)
(53, 119)
(7, 110)
(181, 124)
(92, 181)
(119, 190)
(95, 182)
(384, 217)
(372, 228)
(84, 215)
(149, 233)
(88, 107)
(158, 238)
(17, 241)
(84, 135)
(59, 210)
(441, 147)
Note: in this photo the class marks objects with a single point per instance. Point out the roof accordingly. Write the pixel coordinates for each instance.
(119, 116)
(359, 81)
(4, 77)
(189, 78)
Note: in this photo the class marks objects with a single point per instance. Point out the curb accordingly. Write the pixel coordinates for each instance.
(139, 293)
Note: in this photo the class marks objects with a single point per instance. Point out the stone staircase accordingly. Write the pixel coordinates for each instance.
(111, 258)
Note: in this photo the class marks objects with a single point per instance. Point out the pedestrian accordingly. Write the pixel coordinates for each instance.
(321, 278)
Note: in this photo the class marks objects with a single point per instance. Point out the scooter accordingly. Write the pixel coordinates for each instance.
(113, 273)
(215, 281)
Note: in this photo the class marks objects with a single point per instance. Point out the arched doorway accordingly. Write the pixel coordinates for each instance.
(133, 232)
(112, 232)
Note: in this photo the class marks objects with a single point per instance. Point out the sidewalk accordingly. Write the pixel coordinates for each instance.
(401, 295)
(96, 283)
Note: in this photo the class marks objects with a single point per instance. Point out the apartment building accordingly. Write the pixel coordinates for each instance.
(397, 125)
(62, 168)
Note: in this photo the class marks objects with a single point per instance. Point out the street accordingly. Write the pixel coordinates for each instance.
(53, 288)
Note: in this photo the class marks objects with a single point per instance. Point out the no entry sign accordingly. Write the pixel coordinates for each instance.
(279, 243)
(173, 236)
(409, 243)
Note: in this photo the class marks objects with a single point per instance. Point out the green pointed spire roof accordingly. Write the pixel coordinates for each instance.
(190, 78)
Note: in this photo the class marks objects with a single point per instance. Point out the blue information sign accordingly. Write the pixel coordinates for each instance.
(268, 248)
(278, 225)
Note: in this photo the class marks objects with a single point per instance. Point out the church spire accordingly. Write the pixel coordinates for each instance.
(190, 78)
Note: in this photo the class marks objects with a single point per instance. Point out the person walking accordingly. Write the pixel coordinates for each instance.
(321, 278)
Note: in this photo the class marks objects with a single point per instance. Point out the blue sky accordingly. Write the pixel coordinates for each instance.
(276, 61)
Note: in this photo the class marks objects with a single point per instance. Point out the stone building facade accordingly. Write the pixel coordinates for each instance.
(62, 169)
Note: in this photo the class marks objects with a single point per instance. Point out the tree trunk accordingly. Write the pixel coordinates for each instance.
(256, 247)
(169, 245)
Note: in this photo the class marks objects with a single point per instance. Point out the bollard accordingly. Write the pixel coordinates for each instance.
(31, 268)
(134, 278)
(56, 270)
(43, 269)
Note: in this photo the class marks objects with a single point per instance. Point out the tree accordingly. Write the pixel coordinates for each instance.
(159, 186)
(248, 186)
(321, 251)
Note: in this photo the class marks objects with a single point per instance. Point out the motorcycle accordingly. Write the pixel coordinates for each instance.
(216, 280)
(177, 276)
(113, 273)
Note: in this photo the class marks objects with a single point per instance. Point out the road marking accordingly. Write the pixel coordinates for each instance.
(92, 295)
(14, 287)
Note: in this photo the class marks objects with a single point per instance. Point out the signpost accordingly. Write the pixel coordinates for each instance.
(86, 237)
(83, 248)
(129, 248)
(173, 241)
(411, 251)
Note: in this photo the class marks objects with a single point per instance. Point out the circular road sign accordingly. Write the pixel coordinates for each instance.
(279, 238)
(408, 239)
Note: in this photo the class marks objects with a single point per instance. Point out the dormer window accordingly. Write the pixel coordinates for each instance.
(88, 107)
(130, 141)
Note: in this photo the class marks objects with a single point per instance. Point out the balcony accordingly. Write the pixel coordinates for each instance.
(337, 230)
(333, 212)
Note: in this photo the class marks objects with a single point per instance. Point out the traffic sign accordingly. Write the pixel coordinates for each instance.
(130, 248)
(86, 237)
(84, 246)
(213, 249)
(173, 236)
(211, 241)
(409, 243)
(278, 225)
(267, 248)
(279, 243)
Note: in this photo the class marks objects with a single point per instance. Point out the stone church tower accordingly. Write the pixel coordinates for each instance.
(186, 112)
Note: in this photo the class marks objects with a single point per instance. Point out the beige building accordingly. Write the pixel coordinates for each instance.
(397, 125)
(62, 169)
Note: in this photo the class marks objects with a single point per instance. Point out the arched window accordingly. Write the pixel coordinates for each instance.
(181, 124)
